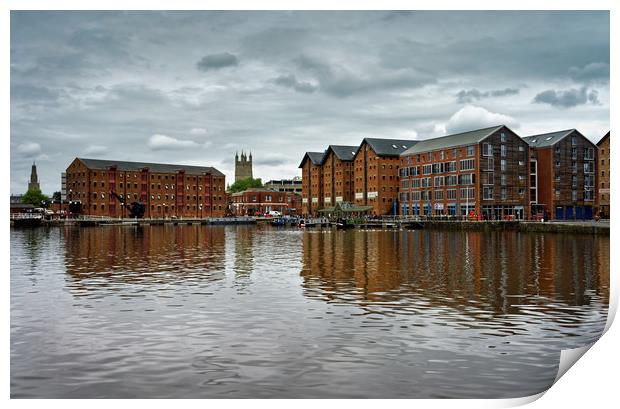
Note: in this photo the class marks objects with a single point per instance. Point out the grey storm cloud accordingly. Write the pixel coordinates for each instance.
(341, 82)
(567, 98)
(131, 86)
(465, 96)
(290, 81)
(217, 61)
(593, 72)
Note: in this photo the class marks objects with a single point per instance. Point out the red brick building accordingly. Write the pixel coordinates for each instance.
(256, 201)
(565, 165)
(338, 174)
(483, 171)
(604, 179)
(312, 183)
(376, 174)
(101, 187)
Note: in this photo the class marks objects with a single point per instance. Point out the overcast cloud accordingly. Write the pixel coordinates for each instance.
(195, 87)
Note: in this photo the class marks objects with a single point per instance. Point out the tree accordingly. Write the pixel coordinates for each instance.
(35, 198)
(56, 197)
(245, 184)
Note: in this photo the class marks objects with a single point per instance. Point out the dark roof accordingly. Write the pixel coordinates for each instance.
(315, 157)
(449, 141)
(153, 167)
(388, 147)
(603, 139)
(22, 206)
(547, 139)
(343, 152)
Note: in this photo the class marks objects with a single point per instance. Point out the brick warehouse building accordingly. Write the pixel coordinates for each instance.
(312, 182)
(165, 190)
(603, 182)
(255, 201)
(376, 176)
(484, 171)
(338, 174)
(565, 164)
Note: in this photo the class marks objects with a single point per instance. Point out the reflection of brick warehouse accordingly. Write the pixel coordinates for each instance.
(259, 201)
(165, 190)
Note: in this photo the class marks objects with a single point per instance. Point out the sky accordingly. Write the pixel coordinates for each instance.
(196, 87)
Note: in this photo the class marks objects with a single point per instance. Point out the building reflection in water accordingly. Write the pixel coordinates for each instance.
(97, 258)
(499, 271)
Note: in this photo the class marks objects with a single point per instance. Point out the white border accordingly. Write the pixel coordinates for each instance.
(590, 384)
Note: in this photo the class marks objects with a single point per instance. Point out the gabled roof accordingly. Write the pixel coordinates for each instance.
(547, 139)
(387, 147)
(342, 152)
(153, 167)
(449, 141)
(315, 157)
(603, 139)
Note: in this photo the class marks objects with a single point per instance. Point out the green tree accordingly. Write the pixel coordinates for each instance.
(56, 197)
(244, 184)
(35, 198)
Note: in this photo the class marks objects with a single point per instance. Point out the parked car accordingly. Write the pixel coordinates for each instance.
(274, 213)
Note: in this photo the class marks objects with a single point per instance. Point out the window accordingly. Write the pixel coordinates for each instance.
(521, 148)
(453, 153)
(588, 195)
(438, 194)
(451, 194)
(504, 193)
(487, 149)
(503, 180)
(574, 181)
(587, 167)
(467, 164)
(488, 178)
(490, 164)
(438, 180)
(467, 193)
(574, 195)
(466, 179)
(503, 137)
(450, 180)
(503, 165)
(450, 166)
(573, 140)
(503, 150)
(471, 150)
(487, 193)
(441, 155)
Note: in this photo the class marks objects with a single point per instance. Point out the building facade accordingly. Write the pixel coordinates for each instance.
(603, 182)
(565, 166)
(258, 201)
(108, 187)
(481, 173)
(376, 165)
(243, 167)
(312, 183)
(285, 185)
(338, 174)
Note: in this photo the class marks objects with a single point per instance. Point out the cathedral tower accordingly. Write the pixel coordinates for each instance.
(243, 166)
(34, 179)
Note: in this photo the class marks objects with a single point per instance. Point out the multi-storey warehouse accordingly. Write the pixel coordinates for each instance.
(376, 165)
(338, 174)
(603, 177)
(312, 182)
(565, 165)
(482, 173)
(108, 187)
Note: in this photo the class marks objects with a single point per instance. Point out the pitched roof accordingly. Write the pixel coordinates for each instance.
(603, 139)
(315, 157)
(387, 147)
(343, 152)
(448, 141)
(547, 139)
(153, 167)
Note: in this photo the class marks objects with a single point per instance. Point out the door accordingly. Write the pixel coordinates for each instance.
(569, 213)
(588, 212)
(579, 212)
(559, 213)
